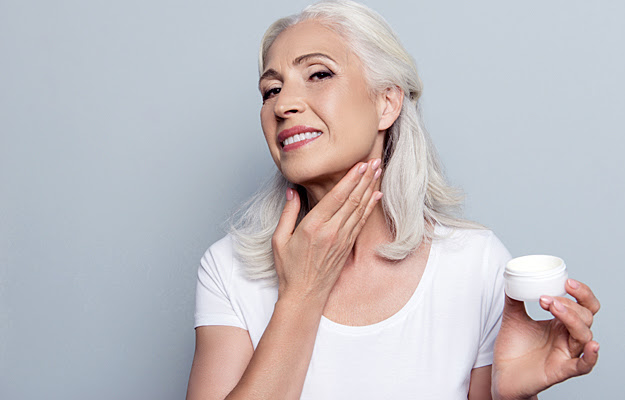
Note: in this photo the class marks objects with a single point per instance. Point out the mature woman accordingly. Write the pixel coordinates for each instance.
(350, 276)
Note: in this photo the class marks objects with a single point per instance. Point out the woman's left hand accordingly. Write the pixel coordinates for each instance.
(531, 356)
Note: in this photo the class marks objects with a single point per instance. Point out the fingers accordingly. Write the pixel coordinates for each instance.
(288, 219)
(584, 296)
(339, 195)
(586, 306)
(583, 364)
(357, 221)
(577, 328)
(584, 313)
(356, 205)
(348, 193)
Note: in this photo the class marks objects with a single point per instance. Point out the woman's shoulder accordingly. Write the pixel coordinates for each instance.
(464, 236)
(222, 247)
(479, 244)
(221, 259)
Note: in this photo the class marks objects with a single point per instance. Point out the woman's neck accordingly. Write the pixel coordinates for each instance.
(375, 231)
(318, 189)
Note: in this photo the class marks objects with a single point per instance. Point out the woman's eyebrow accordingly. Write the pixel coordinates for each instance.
(305, 57)
(269, 74)
(273, 74)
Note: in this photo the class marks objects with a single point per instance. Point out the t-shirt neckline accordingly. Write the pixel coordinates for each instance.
(416, 297)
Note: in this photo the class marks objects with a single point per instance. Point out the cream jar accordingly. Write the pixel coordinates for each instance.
(529, 277)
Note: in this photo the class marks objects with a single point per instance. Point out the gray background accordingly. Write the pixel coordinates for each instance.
(130, 130)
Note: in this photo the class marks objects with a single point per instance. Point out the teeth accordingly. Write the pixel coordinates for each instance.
(299, 137)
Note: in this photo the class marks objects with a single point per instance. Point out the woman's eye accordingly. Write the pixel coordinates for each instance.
(271, 92)
(321, 75)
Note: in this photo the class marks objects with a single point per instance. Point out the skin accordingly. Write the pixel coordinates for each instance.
(326, 91)
(311, 78)
(531, 356)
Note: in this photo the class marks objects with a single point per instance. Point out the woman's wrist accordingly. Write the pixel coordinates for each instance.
(497, 396)
(301, 304)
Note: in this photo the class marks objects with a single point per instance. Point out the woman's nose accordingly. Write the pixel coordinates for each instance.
(288, 103)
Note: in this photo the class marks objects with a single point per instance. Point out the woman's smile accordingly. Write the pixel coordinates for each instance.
(297, 136)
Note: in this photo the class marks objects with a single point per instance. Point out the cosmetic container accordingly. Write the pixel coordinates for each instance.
(529, 277)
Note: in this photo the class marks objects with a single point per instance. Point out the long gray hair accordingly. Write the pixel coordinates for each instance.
(416, 194)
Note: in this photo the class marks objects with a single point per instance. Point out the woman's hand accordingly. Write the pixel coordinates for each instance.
(531, 356)
(309, 259)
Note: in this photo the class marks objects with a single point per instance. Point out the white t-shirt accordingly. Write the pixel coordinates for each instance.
(425, 351)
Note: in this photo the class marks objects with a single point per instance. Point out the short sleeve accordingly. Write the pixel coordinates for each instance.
(495, 260)
(213, 305)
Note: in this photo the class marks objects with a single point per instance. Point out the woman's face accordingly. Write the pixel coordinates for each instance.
(314, 86)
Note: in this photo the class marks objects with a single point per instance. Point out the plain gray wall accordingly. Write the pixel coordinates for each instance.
(129, 131)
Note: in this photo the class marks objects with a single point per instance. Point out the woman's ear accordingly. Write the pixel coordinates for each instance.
(390, 102)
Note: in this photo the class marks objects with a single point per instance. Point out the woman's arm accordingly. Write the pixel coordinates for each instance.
(226, 366)
(279, 365)
(221, 355)
(479, 386)
(308, 261)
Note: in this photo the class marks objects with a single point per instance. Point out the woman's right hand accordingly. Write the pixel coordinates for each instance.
(308, 262)
(309, 258)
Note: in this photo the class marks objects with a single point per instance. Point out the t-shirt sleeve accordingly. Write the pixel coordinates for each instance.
(213, 305)
(495, 260)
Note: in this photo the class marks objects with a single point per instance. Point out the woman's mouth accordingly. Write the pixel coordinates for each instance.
(300, 137)
(299, 140)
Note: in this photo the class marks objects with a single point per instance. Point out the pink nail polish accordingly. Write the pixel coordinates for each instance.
(363, 168)
(546, 300)
(376, 163)
(377, 174)
(378, 196)
(573, 283)
(559, 306)
(289, 194)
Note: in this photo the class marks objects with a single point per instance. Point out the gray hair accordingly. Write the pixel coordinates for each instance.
(416, 194)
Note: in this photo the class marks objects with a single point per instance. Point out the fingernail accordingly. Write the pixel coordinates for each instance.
(376, 163)
(559, 306)
(289, 194)
(363, 168)
(546, 299)
(377, 174)
(573, 283)
(596, 349)
(378, 196)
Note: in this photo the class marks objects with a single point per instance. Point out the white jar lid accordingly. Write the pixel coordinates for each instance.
(535, 266)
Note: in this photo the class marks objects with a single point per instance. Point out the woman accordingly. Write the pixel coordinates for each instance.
(326, 288)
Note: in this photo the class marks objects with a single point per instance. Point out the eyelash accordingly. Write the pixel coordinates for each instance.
(269, 93)
(320, 75)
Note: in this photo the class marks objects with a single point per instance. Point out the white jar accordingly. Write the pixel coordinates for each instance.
(529, 277)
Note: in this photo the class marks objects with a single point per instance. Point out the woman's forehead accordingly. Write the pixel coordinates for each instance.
(307, 37)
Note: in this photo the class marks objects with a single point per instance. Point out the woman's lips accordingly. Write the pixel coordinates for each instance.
(297, 136)
(298, 129)
(300, 143)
